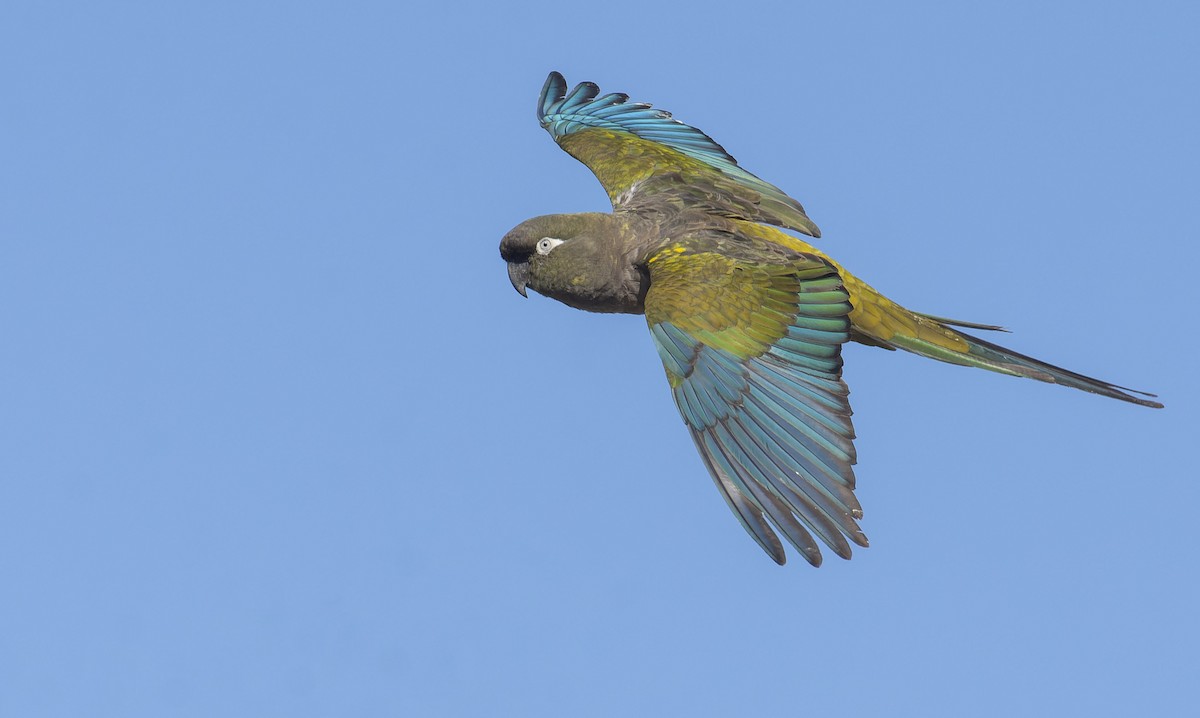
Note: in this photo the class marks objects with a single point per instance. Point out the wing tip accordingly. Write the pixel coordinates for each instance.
(553, 90)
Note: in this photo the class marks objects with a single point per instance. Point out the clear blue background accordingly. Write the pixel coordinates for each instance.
(278, 438)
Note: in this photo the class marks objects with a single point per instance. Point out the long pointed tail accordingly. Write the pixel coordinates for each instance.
(997, 357)
(985, 355)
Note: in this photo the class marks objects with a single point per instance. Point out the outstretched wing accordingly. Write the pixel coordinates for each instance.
(752, 349)
(635, 150)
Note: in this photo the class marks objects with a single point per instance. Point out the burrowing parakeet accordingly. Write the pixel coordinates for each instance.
(749, 320)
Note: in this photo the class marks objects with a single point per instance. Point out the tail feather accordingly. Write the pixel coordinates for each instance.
(961, 323)
(992, 356)
(878, 321)
(934, 338)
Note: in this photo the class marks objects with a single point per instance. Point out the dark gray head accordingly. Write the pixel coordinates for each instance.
(581, 260)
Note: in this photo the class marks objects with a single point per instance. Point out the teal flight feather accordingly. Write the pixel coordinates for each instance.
(737, 192)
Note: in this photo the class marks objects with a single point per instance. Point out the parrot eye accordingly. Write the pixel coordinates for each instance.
(545, 244)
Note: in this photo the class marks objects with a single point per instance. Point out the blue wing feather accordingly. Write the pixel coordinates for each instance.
(777, 432)
(562, 113)
(756, 464)
(769, 497)
(748, 512)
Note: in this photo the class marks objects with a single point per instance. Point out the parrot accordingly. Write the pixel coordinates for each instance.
(748, 319)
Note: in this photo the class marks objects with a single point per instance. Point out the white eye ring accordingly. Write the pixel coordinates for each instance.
(545, 244)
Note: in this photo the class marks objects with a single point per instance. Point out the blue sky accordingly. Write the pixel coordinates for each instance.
(278, 438)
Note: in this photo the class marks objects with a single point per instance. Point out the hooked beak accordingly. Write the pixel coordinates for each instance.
(518, 274)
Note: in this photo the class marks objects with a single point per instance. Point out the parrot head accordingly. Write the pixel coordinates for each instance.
(572, 258)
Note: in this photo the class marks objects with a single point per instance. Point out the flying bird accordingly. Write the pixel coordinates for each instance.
(748, 319)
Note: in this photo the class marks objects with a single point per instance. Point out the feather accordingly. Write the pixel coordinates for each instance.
(569, 116)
